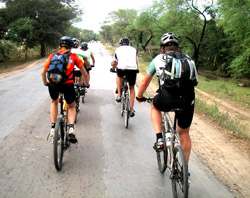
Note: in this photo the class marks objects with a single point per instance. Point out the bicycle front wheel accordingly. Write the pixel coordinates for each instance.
(162, 156)
(58, 148)
(127, 111)
(180, 174)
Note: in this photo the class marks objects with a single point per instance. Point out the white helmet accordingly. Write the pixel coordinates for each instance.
(169, 39)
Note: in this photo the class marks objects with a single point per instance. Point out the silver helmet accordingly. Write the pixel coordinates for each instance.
(169, 39)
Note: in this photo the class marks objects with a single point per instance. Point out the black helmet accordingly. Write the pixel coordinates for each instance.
(124, 41)
(66, 42)
(84, 45)
(169, 39)
(76, 42)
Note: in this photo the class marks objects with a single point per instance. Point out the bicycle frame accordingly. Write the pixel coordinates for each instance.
(175, 139)
(64, 116)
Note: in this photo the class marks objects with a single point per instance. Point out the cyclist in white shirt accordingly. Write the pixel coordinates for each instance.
(126, 63)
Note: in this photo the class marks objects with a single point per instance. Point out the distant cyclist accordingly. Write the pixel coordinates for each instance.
(67, 87)
(82, 56)
(126, 63)
(88, 53)
(161, 102)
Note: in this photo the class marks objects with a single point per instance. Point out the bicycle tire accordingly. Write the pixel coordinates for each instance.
(162, 156)
(122, 104)
(58, 145)
(127, 107)
(179, 177)
(83, 99)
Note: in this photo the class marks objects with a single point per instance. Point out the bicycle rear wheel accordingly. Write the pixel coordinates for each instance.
(58, 148)
(127, 111)
(122, 104)
(180, 174)
(162, 156)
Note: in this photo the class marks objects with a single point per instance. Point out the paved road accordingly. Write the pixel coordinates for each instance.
(109, 161)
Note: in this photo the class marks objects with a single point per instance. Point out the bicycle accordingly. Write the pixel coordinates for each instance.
(125, 101)
(61, 139)
(172, 157)
(81, 89)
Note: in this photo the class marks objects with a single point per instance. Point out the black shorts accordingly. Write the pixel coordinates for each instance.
(67, 89)
(77, 73)
(168, 99)
(131, 75)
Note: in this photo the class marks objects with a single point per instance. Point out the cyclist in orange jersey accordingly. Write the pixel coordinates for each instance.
(66, 87)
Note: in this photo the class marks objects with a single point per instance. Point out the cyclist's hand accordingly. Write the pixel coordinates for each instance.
(141, 99)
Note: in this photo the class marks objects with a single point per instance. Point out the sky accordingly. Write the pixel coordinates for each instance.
(96, 11)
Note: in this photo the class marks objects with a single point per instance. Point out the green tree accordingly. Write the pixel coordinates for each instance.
(120, 20)
(21, 31)
(105, 34)
(235, 20)
(88, 35)
(50, 19)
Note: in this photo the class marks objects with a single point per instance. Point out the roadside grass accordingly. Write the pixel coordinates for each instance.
(226, 89)
(222, 119)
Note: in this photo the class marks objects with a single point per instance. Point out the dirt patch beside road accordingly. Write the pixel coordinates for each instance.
(21, 68)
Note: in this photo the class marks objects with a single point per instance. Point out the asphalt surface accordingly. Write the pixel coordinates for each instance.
(109, 161)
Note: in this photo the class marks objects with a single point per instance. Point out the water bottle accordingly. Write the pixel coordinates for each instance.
(168, 138)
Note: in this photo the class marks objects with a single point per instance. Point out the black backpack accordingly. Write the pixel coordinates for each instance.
(56, 73)
(179, 72)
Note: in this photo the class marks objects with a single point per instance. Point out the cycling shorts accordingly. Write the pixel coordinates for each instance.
(77, 73)
(131, 75)
(168, 99)
(67, 89)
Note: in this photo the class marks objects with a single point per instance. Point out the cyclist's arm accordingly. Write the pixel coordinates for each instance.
(144, 85)
(114, 63)
(45, 69)
(86, 62)
(93, 58)
(85, 76)
(147, 79)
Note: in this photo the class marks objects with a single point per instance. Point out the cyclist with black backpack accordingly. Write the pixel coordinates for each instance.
(59, 69)
(177, 78)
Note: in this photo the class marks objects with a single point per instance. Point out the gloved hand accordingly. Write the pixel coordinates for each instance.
(111, 70)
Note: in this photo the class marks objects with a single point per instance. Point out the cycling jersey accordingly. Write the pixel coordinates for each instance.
(126, 57)
(73, 60)
(87, 53)
(79, 53)
(166, 99)
(158, 62)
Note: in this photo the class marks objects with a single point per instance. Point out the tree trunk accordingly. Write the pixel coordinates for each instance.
(43, 49)
(26, 53)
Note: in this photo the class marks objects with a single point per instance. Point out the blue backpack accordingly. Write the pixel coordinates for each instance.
(56, 73)
(180, 71)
